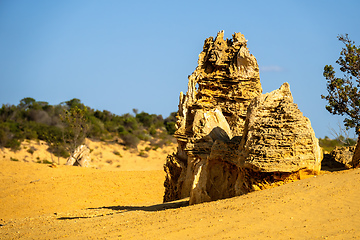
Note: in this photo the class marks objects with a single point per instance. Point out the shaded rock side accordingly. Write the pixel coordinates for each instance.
(208, 126)
(218, 179)
(277, 137)
(339, 158)
(214, 107)
(278, 146)
(80, 157)
(175, 176)
(356, 156)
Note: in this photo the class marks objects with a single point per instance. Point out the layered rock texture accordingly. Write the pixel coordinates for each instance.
(231, 138)
(277, 137)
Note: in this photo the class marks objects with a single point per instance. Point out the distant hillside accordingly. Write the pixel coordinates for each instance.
(67, 124)
(329, 144)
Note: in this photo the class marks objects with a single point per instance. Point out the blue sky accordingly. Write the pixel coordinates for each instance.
(120, 55)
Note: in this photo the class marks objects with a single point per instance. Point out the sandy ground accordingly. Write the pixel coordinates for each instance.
(64, 202)
(104, 155)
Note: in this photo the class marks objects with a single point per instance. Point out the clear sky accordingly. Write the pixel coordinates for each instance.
(119, 55)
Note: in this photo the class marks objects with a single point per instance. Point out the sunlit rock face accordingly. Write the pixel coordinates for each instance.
(227, 77)
(231, 138)
(277, 137)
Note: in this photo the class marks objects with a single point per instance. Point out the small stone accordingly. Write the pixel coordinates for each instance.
(80, 157)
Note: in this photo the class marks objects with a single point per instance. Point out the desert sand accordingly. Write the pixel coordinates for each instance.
(120, 197)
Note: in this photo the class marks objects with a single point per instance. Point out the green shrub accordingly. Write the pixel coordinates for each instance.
(45, 161)
(170, 123)
(31, 150)
(170, 128)
(143, 154)
(130, 140)
(152, 131)
(38, 120)
(13, 144)
(3, 137)
(60, 151)
(117, 153)
(329, 144)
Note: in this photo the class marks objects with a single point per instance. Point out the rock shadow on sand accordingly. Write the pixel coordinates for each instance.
(152, 208)
(122, 209)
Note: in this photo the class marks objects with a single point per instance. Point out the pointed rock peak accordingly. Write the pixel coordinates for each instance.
(277, 135)
(220, 35)
(285, 89)
(281, 94)
(239, 38)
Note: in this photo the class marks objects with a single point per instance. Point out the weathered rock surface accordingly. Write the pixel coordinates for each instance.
(219, 92)
(356, 156)
(342, 157)
(277, 137)
(227, 77)
(231, 139)
(80, 157)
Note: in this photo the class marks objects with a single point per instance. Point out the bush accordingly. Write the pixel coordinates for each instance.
(130, 140)
(37, 120)
(143, 154)
(170, 128)
(45, 161)
(13, 144)
(152, 130)
(31, 150)
(170, 123)
(329, 144)
(59, 151)
(117, 153)
(3, 137)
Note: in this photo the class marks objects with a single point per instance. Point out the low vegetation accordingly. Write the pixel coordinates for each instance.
(329, 144)
(66, 125)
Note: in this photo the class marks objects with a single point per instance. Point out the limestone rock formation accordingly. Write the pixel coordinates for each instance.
(277, 137)
(227, 77)
(339, 158)
(356, 157)
(219, 92)
(278, 144)
(80, 157)
(231, 138)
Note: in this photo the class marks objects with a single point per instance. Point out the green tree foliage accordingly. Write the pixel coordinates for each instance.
(343, 93)
(66, 125)
(329, 144)
(76, 126)
(170, 123)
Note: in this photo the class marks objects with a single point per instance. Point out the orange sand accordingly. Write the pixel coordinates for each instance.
(64, 202)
